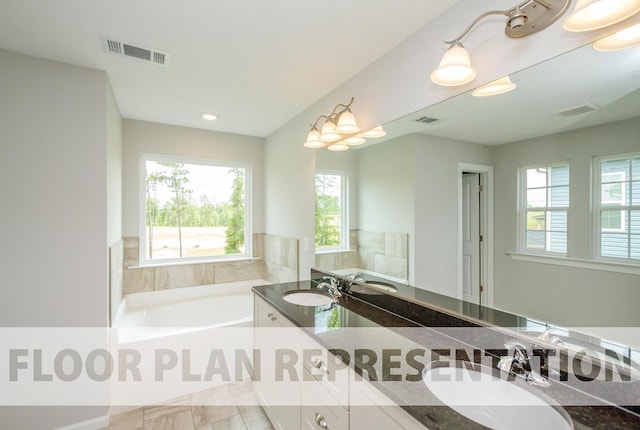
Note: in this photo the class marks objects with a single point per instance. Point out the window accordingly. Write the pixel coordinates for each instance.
(331, 211)
(618, 207)
(193, 209)
(545, 203)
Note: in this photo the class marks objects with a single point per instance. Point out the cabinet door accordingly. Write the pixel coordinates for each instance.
(325, 368)
(320, 410)
(372, 409)
(279, 398)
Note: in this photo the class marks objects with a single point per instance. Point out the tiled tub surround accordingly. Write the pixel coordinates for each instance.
(586, 411)
(386, 253)
(275, 259)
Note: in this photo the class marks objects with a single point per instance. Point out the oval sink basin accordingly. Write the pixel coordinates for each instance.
(473, 391)
(307, 297)
(373, 288)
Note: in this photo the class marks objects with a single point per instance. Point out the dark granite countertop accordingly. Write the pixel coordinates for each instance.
(416, 325)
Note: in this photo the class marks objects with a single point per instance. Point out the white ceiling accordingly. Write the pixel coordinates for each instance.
(256, 63)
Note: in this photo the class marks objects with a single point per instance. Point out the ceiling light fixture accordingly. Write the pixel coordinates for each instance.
(500, 86)
(528, 17)
(339, 131)
(209, 116)
(595, 14)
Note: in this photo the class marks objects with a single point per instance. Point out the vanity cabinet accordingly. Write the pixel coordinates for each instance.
(320, 410)
(370, 409)
(327, 395)
(280, 400)
(325, 392)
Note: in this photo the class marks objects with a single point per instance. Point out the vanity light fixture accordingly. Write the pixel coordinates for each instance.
(627, 38)
(339, 131)
(374, 132)
(527, 17)
(500, 86)
(595, 14)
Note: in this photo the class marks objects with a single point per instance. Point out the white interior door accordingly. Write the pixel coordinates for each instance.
(471, 237)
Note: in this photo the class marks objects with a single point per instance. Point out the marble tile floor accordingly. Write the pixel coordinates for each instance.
(227, 407)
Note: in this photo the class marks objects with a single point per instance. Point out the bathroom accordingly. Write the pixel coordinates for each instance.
(96, 197)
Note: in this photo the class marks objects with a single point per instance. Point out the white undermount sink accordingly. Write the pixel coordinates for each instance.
(307, 297)
(472, 391)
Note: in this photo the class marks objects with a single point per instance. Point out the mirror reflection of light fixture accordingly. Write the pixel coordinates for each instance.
(627, 38)
(374, 132)
(339, 130)
(500, 86)
(528, 17)
(595, 14)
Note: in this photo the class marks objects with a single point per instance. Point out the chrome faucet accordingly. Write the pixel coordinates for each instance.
(548, 337)
(519, 364)
(332, 286)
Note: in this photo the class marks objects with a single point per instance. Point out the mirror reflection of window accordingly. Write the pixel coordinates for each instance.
(619, 206)
(546, 193)
(331, 211)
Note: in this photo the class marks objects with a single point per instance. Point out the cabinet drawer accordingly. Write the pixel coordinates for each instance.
(327, 369)
(372, 409)
(319, 410)
(266, 315)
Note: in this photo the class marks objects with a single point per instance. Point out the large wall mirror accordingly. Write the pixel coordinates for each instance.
(408, 195)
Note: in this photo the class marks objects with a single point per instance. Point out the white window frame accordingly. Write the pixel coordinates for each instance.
(344, 211)
(598, 207)
(248, 245)
(522, 209)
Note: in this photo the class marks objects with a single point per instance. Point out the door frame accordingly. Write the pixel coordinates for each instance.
(486, 230)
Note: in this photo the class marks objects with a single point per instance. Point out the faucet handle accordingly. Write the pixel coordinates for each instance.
(332, 280)
(518, 348)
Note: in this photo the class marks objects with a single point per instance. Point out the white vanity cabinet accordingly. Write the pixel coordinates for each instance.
(280, 400)
(370, 409)
(325, 391)
(327, 395)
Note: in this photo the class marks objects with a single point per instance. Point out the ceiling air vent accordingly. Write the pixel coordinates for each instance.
(136, 51)
(427, 120)
(576, 110)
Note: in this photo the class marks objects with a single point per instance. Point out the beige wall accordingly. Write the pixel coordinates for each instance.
(564, 295)
(59, 122)
(436, 252)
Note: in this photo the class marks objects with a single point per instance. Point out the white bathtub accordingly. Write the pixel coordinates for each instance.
(153, 314)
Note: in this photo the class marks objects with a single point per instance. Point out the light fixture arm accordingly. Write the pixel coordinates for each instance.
(506, 12)
(334, 112)
(315, 123)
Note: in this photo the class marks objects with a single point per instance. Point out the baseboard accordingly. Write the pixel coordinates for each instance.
(92, 424)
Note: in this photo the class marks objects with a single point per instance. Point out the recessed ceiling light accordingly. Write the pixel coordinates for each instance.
(209, 116)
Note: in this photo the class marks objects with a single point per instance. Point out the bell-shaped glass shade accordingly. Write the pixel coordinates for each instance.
(500, 86)
(455, 67)
(627, 38)
(355, 140)
(313, 139)
(328, 133)
(594, 14)
(339, 146)
(374, 132)
(347, 123)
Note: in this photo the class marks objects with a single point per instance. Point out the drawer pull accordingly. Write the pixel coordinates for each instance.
(318, 364)
(271, 316)
(322, 423)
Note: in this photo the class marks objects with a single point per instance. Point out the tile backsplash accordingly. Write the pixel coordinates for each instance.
(275, 259)
(386, 253)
